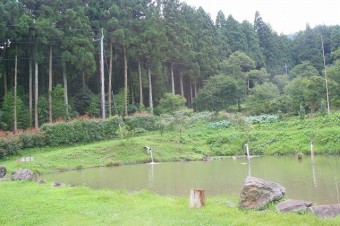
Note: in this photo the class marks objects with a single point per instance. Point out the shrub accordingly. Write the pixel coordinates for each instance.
(9, 145)
(32, 139)
(262, 119)
(220, 124)
(171, 103)
(144, 121)
(63, 133)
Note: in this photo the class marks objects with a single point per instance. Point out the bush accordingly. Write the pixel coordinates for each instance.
(144, 121)
(31, 140)
(262, 119)
(9, 145)
(63, 133)
(220, 124)
(171, 103)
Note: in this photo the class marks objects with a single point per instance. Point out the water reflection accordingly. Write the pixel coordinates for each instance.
(313, 172)
(218, 177)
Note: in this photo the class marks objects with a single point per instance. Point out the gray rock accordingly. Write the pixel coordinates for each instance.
(292, 205)
(3, 171)
(4, 179)
(41, 181)
(57, 184)
(325, 210)
(24, 174)
(256, 193)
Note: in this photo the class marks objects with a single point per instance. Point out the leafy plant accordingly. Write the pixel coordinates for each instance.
(220, 124)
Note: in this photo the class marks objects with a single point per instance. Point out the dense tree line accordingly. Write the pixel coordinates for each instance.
(50, 61)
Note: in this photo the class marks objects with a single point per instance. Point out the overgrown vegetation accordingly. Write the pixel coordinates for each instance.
(182, 136)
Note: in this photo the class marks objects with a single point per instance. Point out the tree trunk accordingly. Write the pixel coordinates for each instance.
(150, 91)
(36, 122)
(102, 81)
(109, 91)
(50, 87)
(172, 79)
(191, 93)
(83, 80)
(125, 83)
(132, 93)
(65, 92)
(181, 84)
(5, 75)
(195, 88)
(197, 198)
(140, 85)
(15, 127)
(30, 95)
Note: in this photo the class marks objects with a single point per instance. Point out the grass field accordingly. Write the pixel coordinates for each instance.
(28, 203)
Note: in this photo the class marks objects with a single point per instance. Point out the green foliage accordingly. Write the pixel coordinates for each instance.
(79, 131)
(32, 140)
(93, 109)
(219, 125)
(42, 109)
(144, 121)
(82, 100)
(9, 146)
(58, 105)
(171, 103)
(305, 69)
(119, 99)
(263, 99)
(7, 113)
(218, 93)
(263, 119)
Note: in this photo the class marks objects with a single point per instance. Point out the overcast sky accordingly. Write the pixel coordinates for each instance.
(284, 16)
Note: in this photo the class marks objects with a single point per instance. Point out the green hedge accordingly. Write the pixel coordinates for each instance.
(80, 131)
(147, 122)
(9, 147)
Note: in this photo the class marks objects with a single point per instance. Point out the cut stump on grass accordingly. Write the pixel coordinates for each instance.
(197, 198)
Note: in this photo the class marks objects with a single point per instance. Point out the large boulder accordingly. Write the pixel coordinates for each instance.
(292, 205)
(24, 174)
(256, 193)
(325, 210)
(3, 171)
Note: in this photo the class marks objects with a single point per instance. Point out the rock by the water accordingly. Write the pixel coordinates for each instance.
(41, 181)
(23, 174)
(325, 210)
(56, 184)
(256, 193)
(3, 171)
(291, 205)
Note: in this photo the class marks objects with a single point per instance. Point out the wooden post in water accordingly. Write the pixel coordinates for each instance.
(312, 151)
(197, 198)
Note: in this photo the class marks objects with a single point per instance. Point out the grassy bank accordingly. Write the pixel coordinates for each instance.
(28, 203)
(190, 142)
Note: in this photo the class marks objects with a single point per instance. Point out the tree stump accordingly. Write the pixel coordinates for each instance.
(197, 198)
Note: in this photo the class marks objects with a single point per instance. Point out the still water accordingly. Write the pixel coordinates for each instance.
(318, 182)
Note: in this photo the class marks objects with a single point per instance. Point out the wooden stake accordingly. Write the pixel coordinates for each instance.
(197, 198)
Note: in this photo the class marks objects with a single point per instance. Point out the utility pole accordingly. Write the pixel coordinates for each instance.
(102, 75)
(324, 64)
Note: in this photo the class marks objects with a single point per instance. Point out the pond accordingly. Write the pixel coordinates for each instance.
(318, 182)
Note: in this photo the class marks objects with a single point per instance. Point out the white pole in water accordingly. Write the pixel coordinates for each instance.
(312, 151)
(247, 148)
(324, 64)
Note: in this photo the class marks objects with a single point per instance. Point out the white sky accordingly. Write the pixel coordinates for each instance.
(284, 16)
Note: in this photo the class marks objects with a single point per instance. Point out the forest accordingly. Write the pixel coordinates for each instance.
(64, 59)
